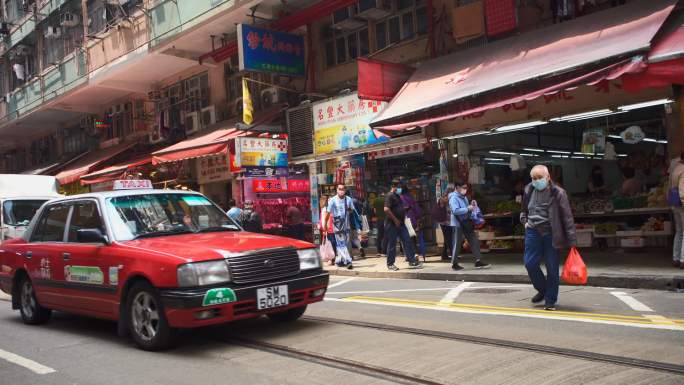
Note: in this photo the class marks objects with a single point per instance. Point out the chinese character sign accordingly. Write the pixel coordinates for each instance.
(262, 157)
(270, 51)
(342, 123)
(214, 168)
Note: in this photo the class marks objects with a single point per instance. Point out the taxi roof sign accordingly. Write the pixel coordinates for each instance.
(132, 184)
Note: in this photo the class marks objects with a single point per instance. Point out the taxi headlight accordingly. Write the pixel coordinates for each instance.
(203, 273)
(309, 259)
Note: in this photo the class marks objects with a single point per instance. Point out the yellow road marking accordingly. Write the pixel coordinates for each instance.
(658, 320)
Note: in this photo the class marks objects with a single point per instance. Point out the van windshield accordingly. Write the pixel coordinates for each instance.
(20, 212)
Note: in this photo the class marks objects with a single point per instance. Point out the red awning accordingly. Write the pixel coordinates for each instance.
(89, 161)
(209, 144)
(113, 172)
(670, 42)
(380, 80)
(561, 51)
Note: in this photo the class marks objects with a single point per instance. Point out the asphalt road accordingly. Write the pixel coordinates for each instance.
(646, 326)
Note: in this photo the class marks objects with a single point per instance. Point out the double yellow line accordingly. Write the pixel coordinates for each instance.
(525, 311)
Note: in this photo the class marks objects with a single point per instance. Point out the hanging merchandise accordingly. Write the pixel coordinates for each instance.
(593, 140)
(609, 153)
(633, 135)
(273, 212)
(18, 71)
(476, 173)
(462, 148)
(500, 16)
(517, 163)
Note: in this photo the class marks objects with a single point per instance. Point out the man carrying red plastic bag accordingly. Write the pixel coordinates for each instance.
(549, 227)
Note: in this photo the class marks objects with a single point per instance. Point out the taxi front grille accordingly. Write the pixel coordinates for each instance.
(264, 265)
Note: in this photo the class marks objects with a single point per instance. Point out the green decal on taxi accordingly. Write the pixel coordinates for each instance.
(84, 274)
(219, 296)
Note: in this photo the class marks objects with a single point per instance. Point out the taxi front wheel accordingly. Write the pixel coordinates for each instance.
(31, 311)
(146, 319)
(288, 315)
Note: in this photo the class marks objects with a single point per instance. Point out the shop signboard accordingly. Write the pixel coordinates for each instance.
(262, 156)
(342, 123)
(277, 186)
(265, 50)
(213, 168)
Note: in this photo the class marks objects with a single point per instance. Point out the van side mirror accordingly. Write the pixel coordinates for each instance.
(90, 236)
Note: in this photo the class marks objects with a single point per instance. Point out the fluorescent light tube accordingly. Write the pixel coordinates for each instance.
(518, 126)
(651, 103)
(559, 152)
(494, 159)
(502, 153)
(533, 149)
(583, 115)
(466, 135)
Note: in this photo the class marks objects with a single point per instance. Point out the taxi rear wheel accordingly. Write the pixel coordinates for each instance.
(288, 315)
(31, 311)
(146, 319)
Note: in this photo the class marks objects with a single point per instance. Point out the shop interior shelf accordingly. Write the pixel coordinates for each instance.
(508, 237)
(627, 212)
(503, 215)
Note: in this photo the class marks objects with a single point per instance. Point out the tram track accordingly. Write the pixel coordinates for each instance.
(500, 343)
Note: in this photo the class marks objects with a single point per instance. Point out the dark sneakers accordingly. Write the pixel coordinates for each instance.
(392, 268)
(538, 297)
(350, 267)
(550, 307)
(479, 264)
(415, 265)
(456, 267)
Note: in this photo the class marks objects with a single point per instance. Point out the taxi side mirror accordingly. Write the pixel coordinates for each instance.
(90, 236)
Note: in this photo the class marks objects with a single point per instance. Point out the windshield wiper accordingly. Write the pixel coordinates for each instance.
(162, 233)
(216, 229)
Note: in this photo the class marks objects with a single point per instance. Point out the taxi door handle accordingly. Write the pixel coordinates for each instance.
(66, 256)
(28, 254)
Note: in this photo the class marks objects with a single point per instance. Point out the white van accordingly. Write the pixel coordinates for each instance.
(20, 197)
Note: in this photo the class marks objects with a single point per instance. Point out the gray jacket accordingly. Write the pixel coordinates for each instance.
(560, 216)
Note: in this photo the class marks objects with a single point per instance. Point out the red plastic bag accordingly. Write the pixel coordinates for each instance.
(574, 270)
(327, 251)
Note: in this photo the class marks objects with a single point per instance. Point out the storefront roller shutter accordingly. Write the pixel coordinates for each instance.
(300, 130)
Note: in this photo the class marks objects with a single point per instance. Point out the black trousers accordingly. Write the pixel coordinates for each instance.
(380, 242)
(448, 233)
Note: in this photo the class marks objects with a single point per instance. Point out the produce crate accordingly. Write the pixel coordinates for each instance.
(485, 235)
(632, 242)
(584, 238)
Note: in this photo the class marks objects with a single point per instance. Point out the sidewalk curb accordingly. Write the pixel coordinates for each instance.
(626, 281)
(5, 297)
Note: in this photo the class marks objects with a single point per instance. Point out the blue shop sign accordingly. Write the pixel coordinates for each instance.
(265, 50)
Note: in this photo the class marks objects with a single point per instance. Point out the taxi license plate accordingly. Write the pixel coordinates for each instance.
(274, 296)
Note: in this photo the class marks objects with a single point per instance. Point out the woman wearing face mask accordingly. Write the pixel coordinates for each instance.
(463, 227)
(549, 226)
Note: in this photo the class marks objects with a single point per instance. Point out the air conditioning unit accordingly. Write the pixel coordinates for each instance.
(192, 123)
(208, 116)
(52, 32)
(344, 20)
(374, 9)
(69, 20)
(271, 96)
(4, 29)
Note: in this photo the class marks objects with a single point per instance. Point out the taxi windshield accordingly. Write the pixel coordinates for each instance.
(151, 215)
(20, 212)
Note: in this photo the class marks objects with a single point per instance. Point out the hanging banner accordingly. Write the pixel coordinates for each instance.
(261, 156)
(214, 168)
(342, 123)
(276, 186)
(270, 51)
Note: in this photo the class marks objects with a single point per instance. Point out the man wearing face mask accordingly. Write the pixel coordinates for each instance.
(395, 228)
(549, 226)
(463, 227)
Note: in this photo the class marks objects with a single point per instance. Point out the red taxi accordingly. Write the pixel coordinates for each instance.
(155, 261)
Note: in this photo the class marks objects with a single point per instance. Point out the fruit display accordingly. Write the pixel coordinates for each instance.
(501, 244)
(656, 198)
(653, 224)
(606, 228)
